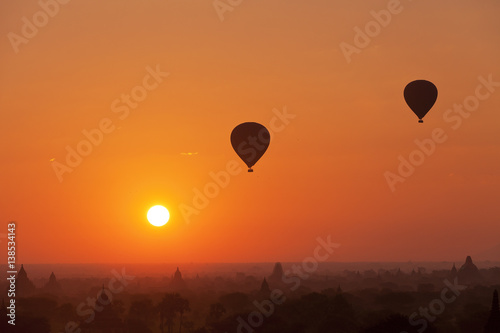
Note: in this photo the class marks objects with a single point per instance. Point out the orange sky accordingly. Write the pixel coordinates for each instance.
(323, 173)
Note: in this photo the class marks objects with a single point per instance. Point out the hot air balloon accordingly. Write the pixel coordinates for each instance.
(250, 142)
(420, 95)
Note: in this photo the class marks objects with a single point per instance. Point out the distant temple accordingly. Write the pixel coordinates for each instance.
(468, 273)
(105, 321)
(53, 286)
(24, 287)
(177, 281)
(453, 272)
(264, 288)
(277, 275)
(493, 325)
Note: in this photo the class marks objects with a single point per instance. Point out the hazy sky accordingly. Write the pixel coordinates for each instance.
(325, 170)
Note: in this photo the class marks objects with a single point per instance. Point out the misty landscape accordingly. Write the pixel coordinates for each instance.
(289, 297)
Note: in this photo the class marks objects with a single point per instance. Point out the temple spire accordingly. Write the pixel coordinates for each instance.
(493, 324)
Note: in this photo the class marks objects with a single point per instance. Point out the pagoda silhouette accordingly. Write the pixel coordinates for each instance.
(468, 273)
(453, 272)
(24, 286)
(493, 324)
(52, 287)
(264, 287)
(277, 274)
(177, 281)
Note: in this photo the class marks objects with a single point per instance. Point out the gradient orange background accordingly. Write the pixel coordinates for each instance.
(322, 175)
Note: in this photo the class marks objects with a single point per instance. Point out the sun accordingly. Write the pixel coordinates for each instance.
(158, 215)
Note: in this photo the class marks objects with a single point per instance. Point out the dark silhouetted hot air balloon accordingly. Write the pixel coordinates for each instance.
(250, 142)
(420, 95)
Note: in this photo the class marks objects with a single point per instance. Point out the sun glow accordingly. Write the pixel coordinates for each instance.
(158, 215)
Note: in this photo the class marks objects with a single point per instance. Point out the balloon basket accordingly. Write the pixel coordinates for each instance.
(420, 121)
(250, 170)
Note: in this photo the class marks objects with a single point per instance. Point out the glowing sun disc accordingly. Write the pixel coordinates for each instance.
(158, 215)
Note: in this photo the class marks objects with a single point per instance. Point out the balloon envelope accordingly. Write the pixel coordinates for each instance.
(420, 95)
(250, 141)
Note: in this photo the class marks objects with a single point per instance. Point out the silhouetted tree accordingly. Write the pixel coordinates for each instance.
(142, 309)
(215, 314)
(167, 311)
(182, 306)
(217, 310)
(188, 325)
(140, 315)
(170, 305)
